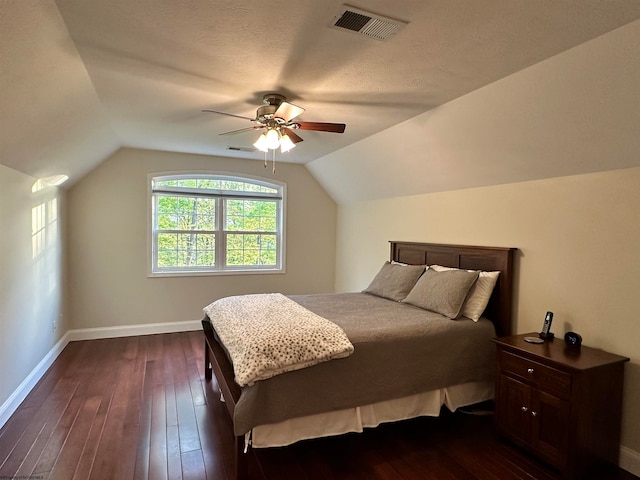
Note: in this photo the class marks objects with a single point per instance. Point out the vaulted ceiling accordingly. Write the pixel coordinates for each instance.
(81, 78)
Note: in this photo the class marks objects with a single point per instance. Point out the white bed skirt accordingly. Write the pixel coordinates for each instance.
(358, 418)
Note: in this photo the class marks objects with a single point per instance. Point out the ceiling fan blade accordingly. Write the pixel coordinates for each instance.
(322, 126)
(229, 114)
(295, 138)
(255, 127)
(288, 111)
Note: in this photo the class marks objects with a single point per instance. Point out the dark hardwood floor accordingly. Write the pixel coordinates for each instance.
(139, 408)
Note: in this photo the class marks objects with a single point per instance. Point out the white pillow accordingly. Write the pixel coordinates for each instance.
(479, 295)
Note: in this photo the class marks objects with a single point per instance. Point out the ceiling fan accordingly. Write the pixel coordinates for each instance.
(277, 120)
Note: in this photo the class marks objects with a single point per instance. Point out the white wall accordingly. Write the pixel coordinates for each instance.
(31, 278)
(108, 243)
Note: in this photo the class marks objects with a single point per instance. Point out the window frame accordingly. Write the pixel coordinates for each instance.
(220, 230)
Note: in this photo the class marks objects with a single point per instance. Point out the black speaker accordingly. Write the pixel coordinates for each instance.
(573, 339)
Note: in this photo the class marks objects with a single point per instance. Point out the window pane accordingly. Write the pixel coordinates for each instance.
(205, 250)
(167, 221)
(186, 213)
(188, 183)
(248, 249)
(186, 249)
(268, 224)
(167, 205)
(209, 184)
(165, 183)
(167, 248)
(205, 222)
(251, 215)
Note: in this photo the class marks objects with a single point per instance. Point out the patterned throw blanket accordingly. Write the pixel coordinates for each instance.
(269, 334)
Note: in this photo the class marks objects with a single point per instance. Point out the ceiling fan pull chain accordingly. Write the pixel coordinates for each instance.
(265, 159)
(274, 161)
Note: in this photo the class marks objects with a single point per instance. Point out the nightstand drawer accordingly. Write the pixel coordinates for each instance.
(535, 373)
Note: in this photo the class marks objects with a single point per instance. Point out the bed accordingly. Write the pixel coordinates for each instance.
(362, 390)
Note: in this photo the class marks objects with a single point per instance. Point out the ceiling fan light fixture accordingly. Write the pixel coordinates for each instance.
(272, 139)
(261, 143)
(285, 143)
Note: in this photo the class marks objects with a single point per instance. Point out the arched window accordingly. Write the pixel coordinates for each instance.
(203, 223)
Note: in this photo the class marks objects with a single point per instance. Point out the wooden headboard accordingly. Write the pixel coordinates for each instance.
(489, 259)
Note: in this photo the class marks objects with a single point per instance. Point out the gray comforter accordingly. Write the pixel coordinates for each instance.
(400, 350)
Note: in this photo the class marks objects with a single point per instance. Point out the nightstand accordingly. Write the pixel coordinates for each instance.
(562, 404)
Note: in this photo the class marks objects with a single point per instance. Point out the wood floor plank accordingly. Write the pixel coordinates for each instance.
(14, 430)
(158, 466)
(193, 465)
(98, 375)
(45, 417)
(213, 445)
(109, 454)
(173, 351)
(187, 426)
(195, 385)
(216, 431)
(174, 458)
(136, 368)
(22, 448)
(67, 461)
(170, 404)
(197, 342)
(125, 467)
(56, 441)
(144, 434)
(85, 462)
(174, 348)
(60, 367)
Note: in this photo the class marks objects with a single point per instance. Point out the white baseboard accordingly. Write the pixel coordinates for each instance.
(17, 397)
(133, 330)
(630, 460)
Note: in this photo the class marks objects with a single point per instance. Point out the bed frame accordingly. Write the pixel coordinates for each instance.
(499, 311)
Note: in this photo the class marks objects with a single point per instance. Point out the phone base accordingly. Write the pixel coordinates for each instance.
(546, 336)
(533, 340)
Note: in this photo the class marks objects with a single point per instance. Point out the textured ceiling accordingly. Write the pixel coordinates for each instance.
(81, 78)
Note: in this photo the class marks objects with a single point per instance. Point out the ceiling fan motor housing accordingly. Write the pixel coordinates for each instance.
(265, 113)
(273, 99)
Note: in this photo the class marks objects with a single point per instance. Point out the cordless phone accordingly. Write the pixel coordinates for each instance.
(546, 331)
(546, 326)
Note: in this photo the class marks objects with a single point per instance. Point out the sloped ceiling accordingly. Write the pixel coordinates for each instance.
(81, 78)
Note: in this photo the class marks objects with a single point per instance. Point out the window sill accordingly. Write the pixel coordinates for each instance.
(215, 274)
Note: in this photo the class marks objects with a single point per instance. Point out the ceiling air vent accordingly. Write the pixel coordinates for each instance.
(366, 23)
(241, 149)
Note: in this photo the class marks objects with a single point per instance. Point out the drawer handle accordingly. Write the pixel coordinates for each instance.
(524, 409)
(534, 413)
(529, 370)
